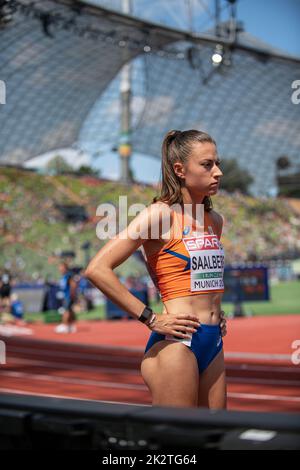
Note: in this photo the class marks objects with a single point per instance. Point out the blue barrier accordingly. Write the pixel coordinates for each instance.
(246, 283)
(31, 296)
(52, 300)
(38, 297)
(17, 309)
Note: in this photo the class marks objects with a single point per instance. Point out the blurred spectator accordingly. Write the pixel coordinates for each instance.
(17, 310)
(135, 283)
(68, 288)
(5, 290)
(83, 286)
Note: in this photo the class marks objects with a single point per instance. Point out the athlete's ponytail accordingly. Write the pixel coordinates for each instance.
(176, 147)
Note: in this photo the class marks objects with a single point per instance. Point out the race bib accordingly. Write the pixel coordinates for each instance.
(207, 262)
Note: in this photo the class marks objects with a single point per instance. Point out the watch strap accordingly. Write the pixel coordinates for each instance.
(146, 314)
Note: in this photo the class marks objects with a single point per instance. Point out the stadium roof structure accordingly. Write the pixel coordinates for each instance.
(60, 61)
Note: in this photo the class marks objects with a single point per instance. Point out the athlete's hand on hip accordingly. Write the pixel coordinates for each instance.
(223, 322)
(180, 325)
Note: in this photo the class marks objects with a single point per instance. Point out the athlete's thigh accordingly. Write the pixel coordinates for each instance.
(170, 371)
(212, 384)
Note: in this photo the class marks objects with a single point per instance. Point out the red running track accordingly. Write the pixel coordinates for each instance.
(101, 361)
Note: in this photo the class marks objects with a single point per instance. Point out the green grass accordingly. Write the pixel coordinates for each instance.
(35, 232)
(285, 300)
(52, 316)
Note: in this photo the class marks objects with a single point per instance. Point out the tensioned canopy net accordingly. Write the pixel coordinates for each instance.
(61, 63)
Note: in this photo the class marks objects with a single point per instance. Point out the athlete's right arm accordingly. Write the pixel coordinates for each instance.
(115, 252)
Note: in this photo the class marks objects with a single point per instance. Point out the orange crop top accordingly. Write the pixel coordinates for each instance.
(189, 265)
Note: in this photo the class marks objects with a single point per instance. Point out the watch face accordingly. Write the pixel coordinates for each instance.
(147, 312)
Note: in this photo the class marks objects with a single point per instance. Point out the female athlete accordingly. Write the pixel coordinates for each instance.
(179, 236)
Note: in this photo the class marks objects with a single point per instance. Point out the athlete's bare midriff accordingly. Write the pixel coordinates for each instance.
(206, 307)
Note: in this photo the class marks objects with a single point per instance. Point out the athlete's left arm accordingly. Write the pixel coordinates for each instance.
(218, 223)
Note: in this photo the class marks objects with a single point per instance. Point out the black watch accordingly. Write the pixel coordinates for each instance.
(146, 314)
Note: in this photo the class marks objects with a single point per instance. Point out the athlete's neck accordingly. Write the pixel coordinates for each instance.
(194, 200)
(198, 213)
(189, 198)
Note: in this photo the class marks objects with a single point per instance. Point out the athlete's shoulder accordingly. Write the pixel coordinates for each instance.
(160, 217)
(218, 218)
(218, 221)
(149, 221)
(160, 209)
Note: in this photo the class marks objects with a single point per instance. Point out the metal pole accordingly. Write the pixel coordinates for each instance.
(125, 148)
(232, 21)
(217, 17)
(190, 15)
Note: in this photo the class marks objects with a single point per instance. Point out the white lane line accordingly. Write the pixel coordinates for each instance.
(100, 383)
(253, 396)
(113, 370)
(253, 380)
(71, 366)
(245, 355)
(70, 380)
(8, 331)
(49, 395)
(121, 358)
(228, 354)
(64, 365)
(75, 355)
(242, 396)
(141, 349)
(54, 343)
(258, 368)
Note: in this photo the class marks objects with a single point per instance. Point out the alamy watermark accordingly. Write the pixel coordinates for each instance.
(2, 352)
(2, 92)
(295, 98)
(295, 358)
(114, 220)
